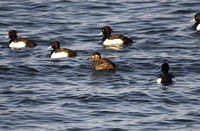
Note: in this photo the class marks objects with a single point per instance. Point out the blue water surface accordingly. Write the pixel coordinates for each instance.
(38, 93)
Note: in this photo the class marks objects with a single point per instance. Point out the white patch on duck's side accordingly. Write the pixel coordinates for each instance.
(59, 55)
(174, 79)
(198, 27)
(108, 42)
(17, 44)
(159, 80)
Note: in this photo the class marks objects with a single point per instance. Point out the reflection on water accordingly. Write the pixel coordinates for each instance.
(114, 47)
(97, 75)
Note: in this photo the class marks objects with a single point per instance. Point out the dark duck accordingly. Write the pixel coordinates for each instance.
(165, 78)
(60, 52)
(197, 19)
(113, 39)
(16, 42)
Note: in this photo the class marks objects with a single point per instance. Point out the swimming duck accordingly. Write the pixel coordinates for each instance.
(99, 63)
(115, 39)
(165, 78)
(60, 52)
(197, 19)
(16, 42)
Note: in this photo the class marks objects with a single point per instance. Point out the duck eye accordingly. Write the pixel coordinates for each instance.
(102, 29)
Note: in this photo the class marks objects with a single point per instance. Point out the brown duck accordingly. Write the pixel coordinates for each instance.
(99, 63)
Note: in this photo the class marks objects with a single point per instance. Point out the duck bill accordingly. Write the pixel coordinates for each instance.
(7, 37)
(89, 58)
(49, 47)
(100, 33)
(192, 20)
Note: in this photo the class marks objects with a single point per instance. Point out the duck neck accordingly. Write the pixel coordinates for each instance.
(107, 33)
(96, 58)
(165, 72)
(197, 22)
(56, 47)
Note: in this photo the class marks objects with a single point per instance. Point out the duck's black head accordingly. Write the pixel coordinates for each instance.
(55, 45)
(94, 55)
(106, 30)
(165, 68)
(12, 34)
(197, 17)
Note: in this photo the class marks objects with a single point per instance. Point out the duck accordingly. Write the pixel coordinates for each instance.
(165, 78)
(114, 39)
(60, 52)
(99, 63)
(16, 42)
(197, 19)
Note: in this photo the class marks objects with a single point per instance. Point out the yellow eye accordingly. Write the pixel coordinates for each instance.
(103, 30)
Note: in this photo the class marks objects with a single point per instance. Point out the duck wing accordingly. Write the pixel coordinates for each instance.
(123, 38)
(28, 42)
(70, 52)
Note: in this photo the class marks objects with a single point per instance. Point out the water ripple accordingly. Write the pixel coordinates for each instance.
(38, 93)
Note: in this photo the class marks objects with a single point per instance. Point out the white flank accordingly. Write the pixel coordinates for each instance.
(108, 42)
(17, 45)
(159, 80)
(198, 27)
(174, 79)
(59, 55)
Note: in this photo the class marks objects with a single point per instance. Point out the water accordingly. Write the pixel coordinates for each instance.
(38, 93)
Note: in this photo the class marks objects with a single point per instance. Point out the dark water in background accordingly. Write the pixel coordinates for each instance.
(37, 93)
